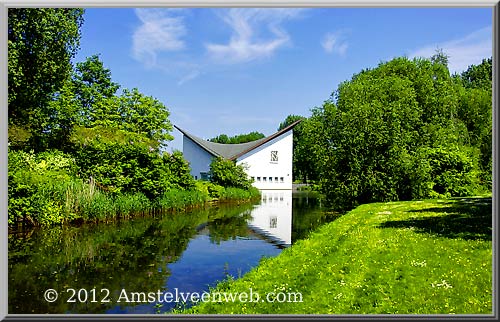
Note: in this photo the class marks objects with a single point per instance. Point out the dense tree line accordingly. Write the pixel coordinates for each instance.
(304, 168)
(406, 129)
(239, 138)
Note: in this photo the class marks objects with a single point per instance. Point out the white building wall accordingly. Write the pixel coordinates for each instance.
(273, 217)
(199, 159)
(262, 168)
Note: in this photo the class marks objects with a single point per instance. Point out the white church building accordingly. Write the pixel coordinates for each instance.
(268, 161)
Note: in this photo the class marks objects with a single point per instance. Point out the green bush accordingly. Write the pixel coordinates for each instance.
(33, 186)
(211, 190)
(446, 172)
(229, 174)
(127, 163)
(44, 190)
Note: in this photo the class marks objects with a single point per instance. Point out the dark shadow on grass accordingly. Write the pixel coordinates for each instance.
(467, 218)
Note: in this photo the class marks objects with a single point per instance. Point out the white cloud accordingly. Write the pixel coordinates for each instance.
(463, 52)
(190, 76)
(161, 30)
(246, 43)
(335, 43)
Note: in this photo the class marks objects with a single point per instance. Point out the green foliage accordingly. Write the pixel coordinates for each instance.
(232, 193)
(32, 190)
(210, 189)
(475, 110)
(440, 57)
(143, 114)
(478, 76)
(44, 190)
(125, 162)
(181, 199)
(289, 120)
(92, 86)
(304, 168)
(397, 132)
(41, 44)
(112, 163)
(88, 99)
(241, 138)
(444, 172)
(216, 192)
(228, 174)
(18, 136)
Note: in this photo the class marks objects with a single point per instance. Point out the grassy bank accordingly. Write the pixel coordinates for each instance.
(418, 257)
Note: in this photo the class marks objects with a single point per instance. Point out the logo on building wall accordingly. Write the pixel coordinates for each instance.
(274, 156)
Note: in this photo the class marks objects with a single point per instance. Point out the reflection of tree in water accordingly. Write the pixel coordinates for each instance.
(131, 255)
(307, 215)
(226, 228)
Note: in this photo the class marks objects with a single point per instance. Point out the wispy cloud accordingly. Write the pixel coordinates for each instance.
(161, 31)
(190, 76)
(248, 25)
(334, 42)
(463, 52)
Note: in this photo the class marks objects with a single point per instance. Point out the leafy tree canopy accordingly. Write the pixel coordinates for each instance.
(229, 174)
(304, 168)
(89, 99)
(41, 44)
(240, 138)
(478, 76)
(396, 132)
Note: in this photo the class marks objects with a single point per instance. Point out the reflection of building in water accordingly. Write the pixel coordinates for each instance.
(272, 219)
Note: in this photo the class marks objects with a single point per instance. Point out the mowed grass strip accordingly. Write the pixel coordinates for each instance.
(417, 257)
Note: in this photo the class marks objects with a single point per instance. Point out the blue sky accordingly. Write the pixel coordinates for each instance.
(233, 71)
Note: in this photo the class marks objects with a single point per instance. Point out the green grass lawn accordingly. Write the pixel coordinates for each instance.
(416, 257)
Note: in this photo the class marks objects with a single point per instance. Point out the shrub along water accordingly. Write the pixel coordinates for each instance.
(45, 189)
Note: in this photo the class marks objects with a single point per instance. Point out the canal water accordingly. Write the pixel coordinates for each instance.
(94, 268)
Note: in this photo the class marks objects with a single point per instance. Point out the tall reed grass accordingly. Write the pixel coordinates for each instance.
(63, 200)
(85, 201)
(181, 199)
(231, 193)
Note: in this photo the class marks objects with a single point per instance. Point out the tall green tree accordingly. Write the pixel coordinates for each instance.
(304, 168)
(478, 76)
(144, 115)
(41, 44)
(94, 89)
(89, 99)
(393, 133)
(475, 110)
(440, 57)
